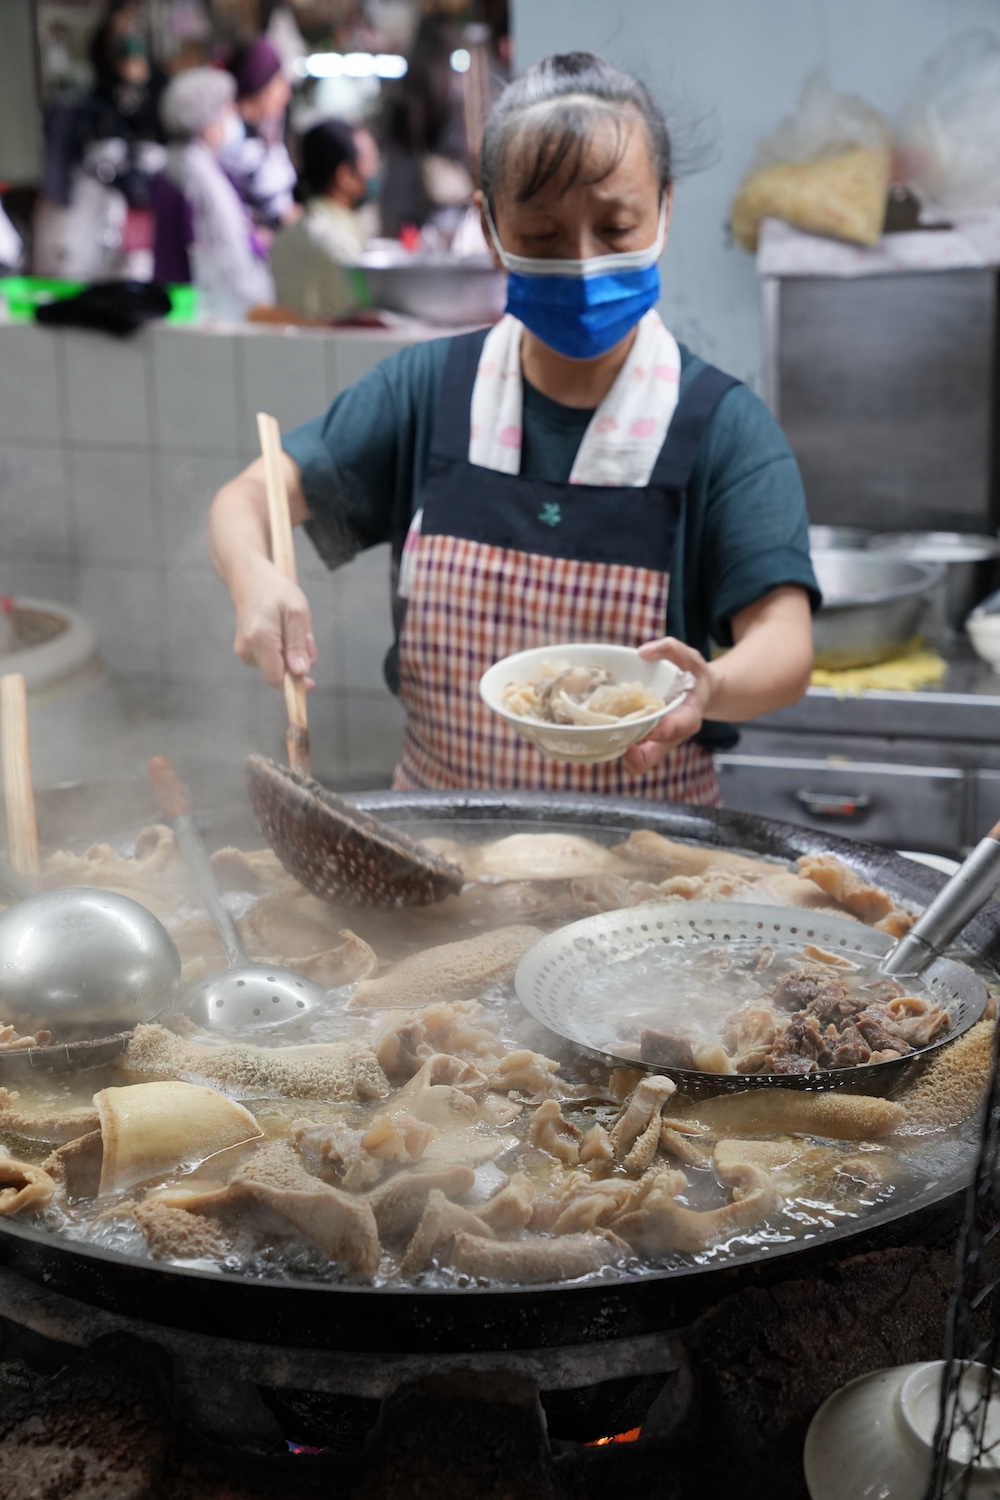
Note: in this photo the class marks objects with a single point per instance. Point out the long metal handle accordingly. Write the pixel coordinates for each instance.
(953, 908)
(14, 884)
(15, 748)
(283, 557)
(173, 800)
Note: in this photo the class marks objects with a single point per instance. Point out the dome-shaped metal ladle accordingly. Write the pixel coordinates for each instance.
(79, 959)
(247, 996)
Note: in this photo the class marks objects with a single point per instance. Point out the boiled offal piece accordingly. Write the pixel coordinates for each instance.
(533, 856)
(549, 1132)
(635, 1135)
(437, 1229)
(336, 851)
(24, 1187)
(455, 971)
(44, 1124)
(341, 1224)
(533, 1261)
(659, 1224)
(337, 1071)
(149, 1129)
(951, 1085)
(837, 1115)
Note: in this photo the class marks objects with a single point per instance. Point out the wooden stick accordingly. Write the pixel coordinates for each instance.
(283, 557)
(15, 754)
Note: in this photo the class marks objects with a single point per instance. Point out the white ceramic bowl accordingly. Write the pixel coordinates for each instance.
(874, 1437)
(585, 744)
(984, 632)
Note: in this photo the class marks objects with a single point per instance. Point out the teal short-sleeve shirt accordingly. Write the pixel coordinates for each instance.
(745, 527)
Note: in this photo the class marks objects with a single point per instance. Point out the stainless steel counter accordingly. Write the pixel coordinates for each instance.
(910, 770)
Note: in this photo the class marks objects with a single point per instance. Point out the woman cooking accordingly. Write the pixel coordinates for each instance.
(571, 474)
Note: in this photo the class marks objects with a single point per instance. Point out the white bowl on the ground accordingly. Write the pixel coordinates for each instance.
(585, 744)
(875, 1436)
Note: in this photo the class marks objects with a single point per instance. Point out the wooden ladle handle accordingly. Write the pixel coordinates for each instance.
(15, 754)
(283, 557)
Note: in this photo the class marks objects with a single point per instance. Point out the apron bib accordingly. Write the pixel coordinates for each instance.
(502, 563)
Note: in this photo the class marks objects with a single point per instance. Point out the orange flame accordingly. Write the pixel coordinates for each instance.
(619, 1437)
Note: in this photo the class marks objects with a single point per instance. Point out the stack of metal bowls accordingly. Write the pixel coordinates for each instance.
(970, 564)
(873, 606)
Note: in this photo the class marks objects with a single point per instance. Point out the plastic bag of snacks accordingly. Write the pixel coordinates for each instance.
(826, 169)
(949, 146)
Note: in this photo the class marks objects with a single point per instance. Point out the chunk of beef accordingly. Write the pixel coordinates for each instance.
(881, 1034)
(851, 1049)
(835, 1005)
(802, 1037)
(665, 1051)
(790, 1065)
(798, 989)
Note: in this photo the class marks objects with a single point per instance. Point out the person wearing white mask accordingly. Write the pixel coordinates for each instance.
(203, 232)
(572, 473)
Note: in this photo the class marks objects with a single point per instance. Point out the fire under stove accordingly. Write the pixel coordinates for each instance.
(120, 1379)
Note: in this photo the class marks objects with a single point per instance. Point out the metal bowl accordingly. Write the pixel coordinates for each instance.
(435, 286)
(842, 538)
(873, 605)
(970, 564)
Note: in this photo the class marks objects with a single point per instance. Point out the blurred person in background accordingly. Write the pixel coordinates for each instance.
(204, 234)
(423, 135)
(256, 157)
(340, 165)
(101, 153)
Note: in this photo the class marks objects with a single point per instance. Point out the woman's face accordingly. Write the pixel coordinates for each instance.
(578, 220)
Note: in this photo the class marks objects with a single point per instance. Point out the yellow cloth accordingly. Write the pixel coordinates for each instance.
(917, 668)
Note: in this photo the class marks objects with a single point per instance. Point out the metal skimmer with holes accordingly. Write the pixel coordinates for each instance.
(564, 974)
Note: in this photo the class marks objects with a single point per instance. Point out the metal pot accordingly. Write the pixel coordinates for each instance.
(873, 604)
(970, 564)
(840, 538)
(434, 285)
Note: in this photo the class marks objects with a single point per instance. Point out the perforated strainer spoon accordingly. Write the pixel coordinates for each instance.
(248, 996)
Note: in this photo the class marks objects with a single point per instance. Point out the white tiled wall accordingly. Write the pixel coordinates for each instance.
(110, 452)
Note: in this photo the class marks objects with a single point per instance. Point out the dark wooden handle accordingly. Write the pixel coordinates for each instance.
(167, 785)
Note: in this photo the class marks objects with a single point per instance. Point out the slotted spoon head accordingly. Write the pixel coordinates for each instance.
(252, 997)
(575, 979)
(338, 852)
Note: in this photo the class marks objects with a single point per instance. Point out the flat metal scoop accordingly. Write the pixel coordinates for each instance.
(248, 996)
(338, 852)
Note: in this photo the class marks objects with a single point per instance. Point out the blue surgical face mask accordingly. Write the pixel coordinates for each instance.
(582, 308)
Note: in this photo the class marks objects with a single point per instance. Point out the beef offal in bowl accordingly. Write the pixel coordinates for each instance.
(584, 744)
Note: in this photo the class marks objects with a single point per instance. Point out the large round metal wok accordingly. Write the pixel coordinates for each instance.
(460, 1319)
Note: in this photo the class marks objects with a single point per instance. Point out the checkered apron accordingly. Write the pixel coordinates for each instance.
(501, 564)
